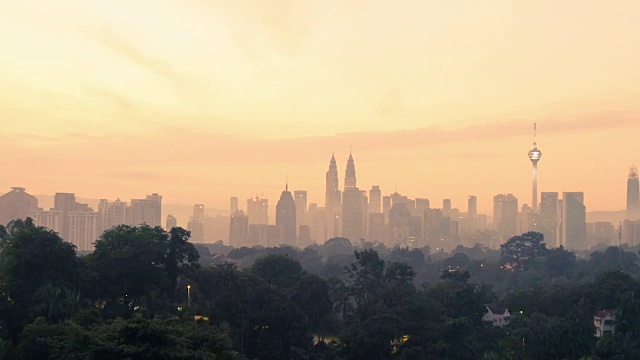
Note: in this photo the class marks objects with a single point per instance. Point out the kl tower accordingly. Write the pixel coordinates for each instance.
(534, 156)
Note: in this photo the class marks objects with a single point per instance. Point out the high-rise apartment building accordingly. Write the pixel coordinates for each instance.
(76, 223)
(83, 228)
(286, 216)
(64, 202)
(111, 214)
(258, 211)
(633, 195)
(16, 204)
(146, 211)
(574, 221)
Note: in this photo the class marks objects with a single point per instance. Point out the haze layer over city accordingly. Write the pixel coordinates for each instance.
(203, 101)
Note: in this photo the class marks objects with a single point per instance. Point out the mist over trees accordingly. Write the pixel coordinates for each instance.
(145, 293)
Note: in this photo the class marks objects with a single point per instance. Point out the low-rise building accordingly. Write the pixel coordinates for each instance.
(604, 321)
(496, 315)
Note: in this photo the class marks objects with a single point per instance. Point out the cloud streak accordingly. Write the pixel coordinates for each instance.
(176, 146)
(136, 55)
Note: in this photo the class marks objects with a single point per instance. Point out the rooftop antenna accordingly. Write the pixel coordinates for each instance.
(534, 135)
(620, 243)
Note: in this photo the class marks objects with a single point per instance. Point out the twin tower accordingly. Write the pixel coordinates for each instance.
(346, 209)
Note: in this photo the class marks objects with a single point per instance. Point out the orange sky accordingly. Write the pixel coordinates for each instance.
(202, 100)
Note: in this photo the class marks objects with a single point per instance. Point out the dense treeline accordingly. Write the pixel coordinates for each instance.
(145, 293)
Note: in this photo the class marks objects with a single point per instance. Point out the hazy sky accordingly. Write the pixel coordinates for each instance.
(202, 100)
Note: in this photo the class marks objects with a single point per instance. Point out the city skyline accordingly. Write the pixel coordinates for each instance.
(403, 221)
(205, 100)
(320, 198)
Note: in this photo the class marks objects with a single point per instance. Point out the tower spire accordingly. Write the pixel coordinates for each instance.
(534, 155)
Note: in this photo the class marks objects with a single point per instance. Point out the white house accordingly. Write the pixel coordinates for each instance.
(604, 320)
(496, 315)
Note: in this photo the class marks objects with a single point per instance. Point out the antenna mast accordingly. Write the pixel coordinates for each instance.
(620, 243)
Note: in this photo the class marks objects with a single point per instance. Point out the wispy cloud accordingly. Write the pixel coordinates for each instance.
(123, 102)
(193, 147)
(138, 56)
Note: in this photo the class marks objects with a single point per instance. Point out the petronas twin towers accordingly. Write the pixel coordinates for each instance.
(346, 209)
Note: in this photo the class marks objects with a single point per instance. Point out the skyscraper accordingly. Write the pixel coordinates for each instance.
(332, 196)
(505, 215)
(446, 207)
(352, 205)
(350, 174)
(333, 201)
(258, 210)
(286, 216)
(549, 218)
(375, 200)
(633, 195)
(196, 224)
(472, 213)
(233, 205)
(574, 224)
(300, 198)
(352, 214)
(238, 229)
(534, 156)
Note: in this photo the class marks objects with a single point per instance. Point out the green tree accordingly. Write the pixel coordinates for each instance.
(33, 262)
(521, 251)
(138, 266)
(263, 321)
(135, 338)
(311, 295)
(278, 269)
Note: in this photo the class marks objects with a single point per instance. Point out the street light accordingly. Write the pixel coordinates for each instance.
(189, 295)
